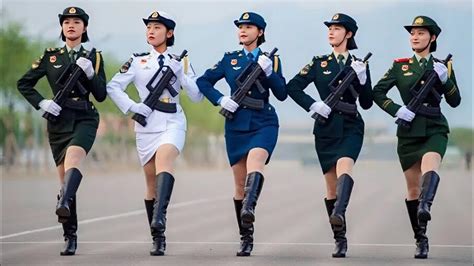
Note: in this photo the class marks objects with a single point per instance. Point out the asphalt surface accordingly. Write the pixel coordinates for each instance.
(291, 228)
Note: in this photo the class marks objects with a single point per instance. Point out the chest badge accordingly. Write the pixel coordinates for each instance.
(408, 74)
(233, 62)
(324, 63)
(52, 59)
(57, 66)
(404, 67)
(327, 72)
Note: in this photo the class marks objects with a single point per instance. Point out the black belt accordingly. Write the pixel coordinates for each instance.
(346, 108)
(165, 107)
(78, 104)
(429, 111)
(252, 103)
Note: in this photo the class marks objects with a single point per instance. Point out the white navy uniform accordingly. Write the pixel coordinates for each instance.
(161, 128)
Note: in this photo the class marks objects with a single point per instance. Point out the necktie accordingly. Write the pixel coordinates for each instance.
(423, 63)
(250, 56)
(72, 55)
(161, 60)
(340, 61)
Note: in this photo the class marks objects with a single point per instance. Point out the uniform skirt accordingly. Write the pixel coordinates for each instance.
(239, 143)
(411, 149)
(83, 136)
(148, 143)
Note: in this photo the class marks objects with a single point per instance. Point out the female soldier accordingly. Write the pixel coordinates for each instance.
(252, 133)
(162, 139)
(339, 140)
(73, 128)
(422, 146)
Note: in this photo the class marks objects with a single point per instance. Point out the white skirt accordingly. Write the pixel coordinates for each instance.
(148, 143)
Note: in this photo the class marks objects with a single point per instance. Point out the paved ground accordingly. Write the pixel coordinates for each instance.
(291, 229)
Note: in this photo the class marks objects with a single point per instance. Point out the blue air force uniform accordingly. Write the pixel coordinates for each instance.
(249, 128)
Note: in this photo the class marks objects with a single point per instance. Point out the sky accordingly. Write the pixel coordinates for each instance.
(206, 30)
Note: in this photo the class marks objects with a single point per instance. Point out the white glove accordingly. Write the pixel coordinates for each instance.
(321, 108)
(177, 68)
(141, 108)
(86, 66)
(228, 104)
(361, 71)
(442, 71)
(50, 106)
(266, 64)
(405, 114)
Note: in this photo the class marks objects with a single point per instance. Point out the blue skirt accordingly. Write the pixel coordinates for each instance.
(239, 143)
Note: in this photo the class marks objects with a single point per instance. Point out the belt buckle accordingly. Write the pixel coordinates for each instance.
(165, 100)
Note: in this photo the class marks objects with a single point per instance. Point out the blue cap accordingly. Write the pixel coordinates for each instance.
(252, 19)
(161, 17)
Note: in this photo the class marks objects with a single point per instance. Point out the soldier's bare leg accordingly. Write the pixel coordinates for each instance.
(256, 160)
(74, 157)
(430, 162)
(240, 172)
(60, 169)
(344, 166)
(412, 176)
(165, 157)
(150, 178)
(331, 182)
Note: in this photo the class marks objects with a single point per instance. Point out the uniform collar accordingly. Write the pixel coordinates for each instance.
(156, 54)
(77, 48)
(345, 54)
(255, 52)
(418, 57)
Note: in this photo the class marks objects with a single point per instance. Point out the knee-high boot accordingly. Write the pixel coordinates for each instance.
(428, 192)
(343, 194)
(164, 187)
(70, 230)
(339, 235)
(419, 230)
(72, 180)
(253, 187)
(246, 234)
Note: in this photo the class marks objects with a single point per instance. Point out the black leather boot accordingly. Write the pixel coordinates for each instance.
(339, 235)
(72, 179)
(246, 234)
(61, 219)
(164, 187)
(428, 192)
(419, 230)
(70, 229)
(253, 187)
(343, 194)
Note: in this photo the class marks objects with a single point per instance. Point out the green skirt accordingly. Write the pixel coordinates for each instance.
(411, 149)
(83, 136)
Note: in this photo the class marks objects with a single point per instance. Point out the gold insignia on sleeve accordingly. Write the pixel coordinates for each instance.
(72, 10)
(418, 21)
(245, 16)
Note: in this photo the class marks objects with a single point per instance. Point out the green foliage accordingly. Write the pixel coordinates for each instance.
(462, 138)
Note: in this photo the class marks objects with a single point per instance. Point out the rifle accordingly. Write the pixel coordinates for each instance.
(156, 89)
(422, 88)
(338, 87)
(244, 84)
(67, 82)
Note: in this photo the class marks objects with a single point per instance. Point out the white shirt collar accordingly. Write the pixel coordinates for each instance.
(156, 54)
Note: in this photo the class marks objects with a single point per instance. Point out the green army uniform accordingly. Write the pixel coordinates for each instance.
(426, 133)
(74, 126)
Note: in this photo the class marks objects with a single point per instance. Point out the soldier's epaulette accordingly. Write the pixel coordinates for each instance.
(322, 57)
(232, 52)
(267, 54)
(402, 60)
(176, 56)
(52, 49)
(141, 54)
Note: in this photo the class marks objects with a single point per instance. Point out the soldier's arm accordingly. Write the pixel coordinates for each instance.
(97, 85)
(28, 81)
(118, 84)
(207, 81)
(381, 89)
(189, 82)
(366, 98)
(276, 81)
(298, 84)
(450, 88)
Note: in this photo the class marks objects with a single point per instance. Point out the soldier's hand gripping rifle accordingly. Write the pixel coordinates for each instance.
(422, 88)
(156, 88)
(67, 82)
(249, 77)
(338, 87)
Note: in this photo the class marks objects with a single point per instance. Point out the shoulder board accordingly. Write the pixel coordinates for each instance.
(233, 52)
(322, 57)
(267, 54)
(176, 56)
(52, 49)
(402, 60)
(86, 51)
(141, 54)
